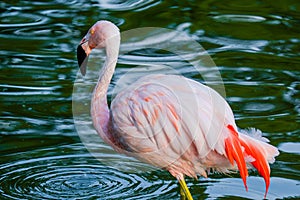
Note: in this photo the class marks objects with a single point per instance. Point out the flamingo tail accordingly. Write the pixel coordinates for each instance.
(239, 147)
(234, 152)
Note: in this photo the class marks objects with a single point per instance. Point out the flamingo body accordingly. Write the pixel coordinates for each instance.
(171, 121)
(156, 117)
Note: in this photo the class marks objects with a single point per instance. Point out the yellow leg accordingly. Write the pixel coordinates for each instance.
(182, 194)
(184, 190)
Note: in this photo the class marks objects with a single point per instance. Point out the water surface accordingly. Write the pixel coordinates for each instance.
(254, 44)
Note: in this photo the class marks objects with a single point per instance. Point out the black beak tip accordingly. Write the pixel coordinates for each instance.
(82, 59)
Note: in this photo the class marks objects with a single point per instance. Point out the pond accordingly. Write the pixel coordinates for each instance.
(254, 45)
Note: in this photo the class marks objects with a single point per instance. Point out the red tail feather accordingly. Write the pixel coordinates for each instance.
(234, 153)
(260, 162)
(233, 147)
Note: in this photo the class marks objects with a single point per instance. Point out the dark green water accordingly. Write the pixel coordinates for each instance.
(254, 44)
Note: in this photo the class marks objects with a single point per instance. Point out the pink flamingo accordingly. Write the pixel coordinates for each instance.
(170, 121)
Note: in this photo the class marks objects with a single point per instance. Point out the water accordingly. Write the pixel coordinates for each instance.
(255, 44)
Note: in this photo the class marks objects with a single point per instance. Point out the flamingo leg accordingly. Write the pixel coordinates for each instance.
(184, 191)
(182, 194)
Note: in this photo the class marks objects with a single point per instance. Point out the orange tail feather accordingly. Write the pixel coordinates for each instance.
(260, 162)
(253, 148)
(234, 152)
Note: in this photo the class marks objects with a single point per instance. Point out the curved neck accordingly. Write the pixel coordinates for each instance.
(99, 108)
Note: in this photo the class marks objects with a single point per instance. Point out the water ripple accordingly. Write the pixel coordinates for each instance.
(292, 95)
(56, 31)
(290, 147)
(124, 5)
(228, 187)
(21, 19)
(18, 90)
(238, 18)
(72, 176)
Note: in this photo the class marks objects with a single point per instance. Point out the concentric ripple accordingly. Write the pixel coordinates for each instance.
(73, 176)
(21, 20)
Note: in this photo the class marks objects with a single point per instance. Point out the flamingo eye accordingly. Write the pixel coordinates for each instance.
(92, 31)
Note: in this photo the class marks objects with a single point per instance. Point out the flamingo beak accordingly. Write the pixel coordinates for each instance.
(83, 52)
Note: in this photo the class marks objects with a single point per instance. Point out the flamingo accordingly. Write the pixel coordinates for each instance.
(170, 121)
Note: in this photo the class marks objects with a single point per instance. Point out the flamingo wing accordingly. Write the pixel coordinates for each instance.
(170, 117)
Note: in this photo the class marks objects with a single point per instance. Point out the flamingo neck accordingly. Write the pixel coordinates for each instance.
(99, 107)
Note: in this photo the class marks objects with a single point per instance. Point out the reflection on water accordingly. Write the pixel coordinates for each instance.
(254, 44)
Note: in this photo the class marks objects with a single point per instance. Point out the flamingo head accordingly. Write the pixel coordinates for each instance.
(96, 37)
